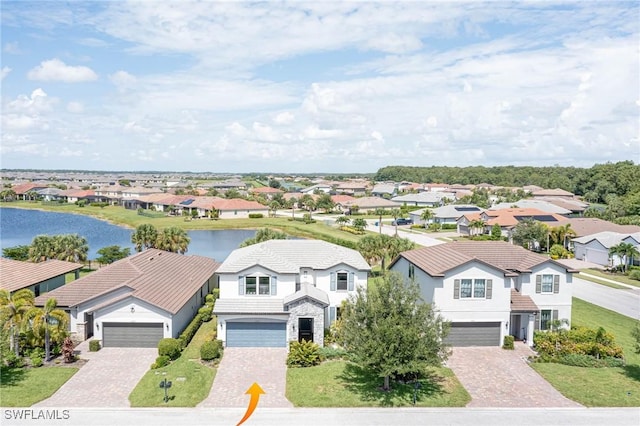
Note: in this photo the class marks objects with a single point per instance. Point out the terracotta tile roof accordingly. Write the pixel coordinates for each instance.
(15, 275)
(166, 280)
(509, 217)
(78, 193)
(237, 204)
(342, 199)
(372, 202)
(267, 190)
(522, 303)
(23, 188)
(508, 258)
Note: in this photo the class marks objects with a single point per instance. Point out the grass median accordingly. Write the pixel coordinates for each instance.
(599, 387)
(191, 380)
(23, 387)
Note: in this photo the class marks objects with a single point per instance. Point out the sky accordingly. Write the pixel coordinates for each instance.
(309, 87)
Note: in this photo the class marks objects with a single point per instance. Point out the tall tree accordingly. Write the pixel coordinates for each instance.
(626, 252)
(110, 254)
(426, 215)
(390, 331)
(528, 232)
(41, 248)
(173, 239)
(16, 252)
(144, 237)
(325, 203)
(13, 308)
(559, 234)
(42, 320)
(264, 234)
(70, 247)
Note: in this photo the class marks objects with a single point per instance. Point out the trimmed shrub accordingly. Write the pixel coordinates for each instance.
(211, 350)
(216, 293)
(635, 274)
(169, 347)
(579, 360)
(303, 354)
(13, 361)
(209, 299)
(94, 345)
(508, 343)
(329, 352)
(256, 215)
(190, 331)
(36, 360)
(556, 346)
(205, 313)
(161, 361)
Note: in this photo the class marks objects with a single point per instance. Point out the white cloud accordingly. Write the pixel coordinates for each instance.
(56, 70)
(36, 103)
(284, 118)
(4, 72)
(75, 107)
(12, 48)
(122, 79)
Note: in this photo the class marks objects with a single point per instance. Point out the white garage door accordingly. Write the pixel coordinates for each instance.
(599, 257)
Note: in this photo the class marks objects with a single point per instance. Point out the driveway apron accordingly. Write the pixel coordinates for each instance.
(495, 377)
(240, 368)
(106, 380)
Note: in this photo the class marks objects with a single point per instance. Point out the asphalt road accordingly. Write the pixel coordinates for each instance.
(332, 416)
(626, 302)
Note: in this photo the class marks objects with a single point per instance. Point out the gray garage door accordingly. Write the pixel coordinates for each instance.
(256, 334)
(474, 334)
(600, 257)
(139, 335)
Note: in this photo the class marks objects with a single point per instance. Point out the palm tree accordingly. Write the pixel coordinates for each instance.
(626, 252)
(70, 247)
(426, 215)
(144, 237)
(379, 211)
(41, 248)
(359, 224)
(274, 206)
(342, 220)
(396, 213)
(477, 224)
(42, 319)
(13, 308)
(173, 239)
(558, 234)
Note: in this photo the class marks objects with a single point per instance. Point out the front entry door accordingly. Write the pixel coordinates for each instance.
(88, 328)
(305, 329)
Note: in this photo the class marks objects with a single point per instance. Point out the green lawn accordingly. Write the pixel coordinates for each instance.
(602, 282)
(343, 384)
(616, 277)
(599, 387)
(23, 387)
(191, 380)
(130, 218)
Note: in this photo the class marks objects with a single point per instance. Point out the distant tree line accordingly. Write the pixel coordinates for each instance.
(594, 184)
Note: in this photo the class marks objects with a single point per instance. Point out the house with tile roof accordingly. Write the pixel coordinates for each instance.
(279, 291)
(426, 199)
(40, 277)
(489, 289)
(595, 248)
(507, 219)
(448, 214)
(138, 300)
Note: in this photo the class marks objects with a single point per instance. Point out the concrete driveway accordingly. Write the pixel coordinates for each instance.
(240, 368)
(495, 377)
(106, 380)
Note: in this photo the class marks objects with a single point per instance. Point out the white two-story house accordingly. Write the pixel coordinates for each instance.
(489, 289)
(279, 291)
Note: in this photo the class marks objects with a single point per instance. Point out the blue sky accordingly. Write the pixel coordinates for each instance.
(296, 87)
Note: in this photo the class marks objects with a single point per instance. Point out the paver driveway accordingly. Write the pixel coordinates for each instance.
(240, 368)
(106, 380)
(495, 377)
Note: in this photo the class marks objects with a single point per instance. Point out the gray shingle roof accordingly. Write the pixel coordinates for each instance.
(606, 238)
(249, 305)
(308, 290)
(288, 256)
(163, 279)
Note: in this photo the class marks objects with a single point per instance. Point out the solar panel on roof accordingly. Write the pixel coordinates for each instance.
(467, 209)
(540, 218)
(187, 202)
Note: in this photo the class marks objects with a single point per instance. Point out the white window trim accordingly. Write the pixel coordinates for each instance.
(473, 289)
(257, 293)
(542, 284)
(346, 281)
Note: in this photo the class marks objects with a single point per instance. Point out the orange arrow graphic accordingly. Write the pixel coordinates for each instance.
(255, 391)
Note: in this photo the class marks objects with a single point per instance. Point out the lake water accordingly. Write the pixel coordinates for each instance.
(19, 226)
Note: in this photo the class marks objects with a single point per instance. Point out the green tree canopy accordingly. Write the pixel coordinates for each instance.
(173, 239)
(16, 252)
(529, 231)
(390, 331)
(68, 247)
(144, 237)
(264, 234)
(110, 254)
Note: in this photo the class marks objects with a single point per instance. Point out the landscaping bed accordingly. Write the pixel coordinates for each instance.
(191, 378)
(599, 387)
